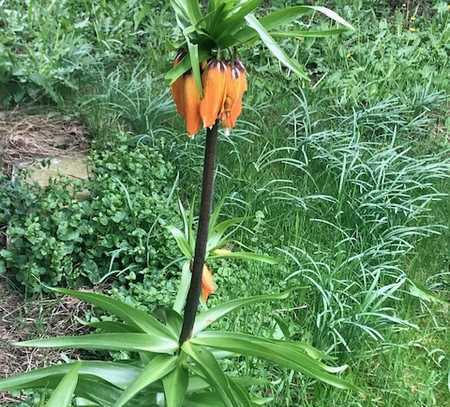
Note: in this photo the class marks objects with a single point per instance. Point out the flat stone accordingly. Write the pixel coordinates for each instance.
(73, 166)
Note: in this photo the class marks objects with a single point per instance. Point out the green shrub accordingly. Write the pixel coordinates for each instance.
(49, 49)
(57, 237)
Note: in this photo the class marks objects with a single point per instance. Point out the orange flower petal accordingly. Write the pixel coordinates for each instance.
(213, 78)
(177, 89)
(235, 88)
(191, 99)
(208, 285)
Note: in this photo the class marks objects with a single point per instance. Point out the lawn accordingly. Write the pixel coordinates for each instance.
(342, 179)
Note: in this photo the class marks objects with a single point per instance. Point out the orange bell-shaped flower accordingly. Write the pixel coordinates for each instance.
(236, 86)
(208, 285)
(191, 105)
(177, 87)
(214, 79)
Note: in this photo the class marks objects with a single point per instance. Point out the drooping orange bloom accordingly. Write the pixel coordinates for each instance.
(224, 85)
(177, 87)
(208, 285)
(214, 79)
(236, 86)
(191, 105)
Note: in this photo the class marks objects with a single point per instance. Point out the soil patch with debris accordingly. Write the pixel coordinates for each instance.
(21, 320)
(28, 138)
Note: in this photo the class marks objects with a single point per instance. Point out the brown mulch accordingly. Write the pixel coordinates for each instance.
(26, 137)
(21, 320)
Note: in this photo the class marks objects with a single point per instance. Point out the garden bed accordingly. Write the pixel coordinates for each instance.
(21, 319)
(30, 140)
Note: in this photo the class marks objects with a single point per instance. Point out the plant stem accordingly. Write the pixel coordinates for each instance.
(193, 297)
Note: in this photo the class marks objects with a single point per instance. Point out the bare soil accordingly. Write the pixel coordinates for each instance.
(28, 138)
(21, 320)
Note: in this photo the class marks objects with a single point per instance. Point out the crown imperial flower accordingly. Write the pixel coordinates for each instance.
(224, 84)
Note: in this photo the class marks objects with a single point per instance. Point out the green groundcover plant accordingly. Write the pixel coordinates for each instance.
(85, 232)
(179, 361)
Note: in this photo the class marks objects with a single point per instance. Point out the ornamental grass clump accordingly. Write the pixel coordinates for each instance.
(175, 358)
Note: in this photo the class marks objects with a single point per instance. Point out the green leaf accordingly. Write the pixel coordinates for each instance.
(308, 33)
(208, 399)
(274, 47)
(420, 291)
(111, 341)
(235, 18)
(206, 318)
(283, 326)
(98, 391)
(284, 353)
(172, 318)
(216, 231)
(272, 20)
(198, 384)
(175, 386)
(240, 394)
(249, 256)
(212, 372)
(195, 64)
(62, 395)
(185, 282)
(185, 65)
(182, 241)
(158, 368)
(331, 14)
(118, 374)
(215, 17)
(88, 387)
(180, 9)
(222, 227)
(111, 327)
(188, 10)
(126, 313)
(283, 17)
(193, 10)
(188, 220)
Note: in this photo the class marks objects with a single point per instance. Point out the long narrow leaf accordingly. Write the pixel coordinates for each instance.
(208, 317)
(240, 394)
(208, 399)
(195, 64)
(274, 47)
(112, 341)
(175, 386)
(193, 10)
(118, 374)
(185, 65)
(308, 33)
(111, 327)
(280, 352)
(249, 256)
(182, 241)
(185, 282)
(284, 17)
(179, 9)
(273, 20)
(126, 313)
(63, 394)
(212, 372)
(158, 368)
(97, 391)
(236, 18)
(331, 14)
